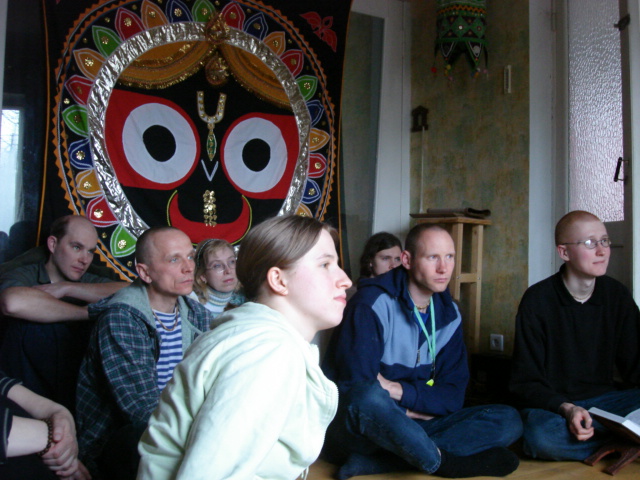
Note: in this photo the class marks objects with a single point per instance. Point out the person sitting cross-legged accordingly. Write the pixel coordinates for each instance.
(141, 333)
(401, 366)
(577, 346)
(46, 326)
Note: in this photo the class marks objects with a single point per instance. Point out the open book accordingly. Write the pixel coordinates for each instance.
(628, 426)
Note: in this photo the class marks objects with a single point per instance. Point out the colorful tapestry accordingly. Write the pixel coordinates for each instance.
(209, 116)
(461, 26)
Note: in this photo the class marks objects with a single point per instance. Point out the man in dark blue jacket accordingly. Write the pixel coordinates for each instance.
(400, 363)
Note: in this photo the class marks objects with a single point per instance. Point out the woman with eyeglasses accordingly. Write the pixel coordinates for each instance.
(249, 399)
(215, 282)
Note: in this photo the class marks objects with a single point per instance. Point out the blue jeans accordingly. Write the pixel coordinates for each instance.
(546, 434)
(369, 420)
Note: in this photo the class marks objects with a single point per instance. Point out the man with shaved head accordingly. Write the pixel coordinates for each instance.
(46, 330)
(400, 364)
(577, 346)
(141, 334)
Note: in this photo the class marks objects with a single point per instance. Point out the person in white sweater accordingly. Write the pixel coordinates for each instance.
(249, 399)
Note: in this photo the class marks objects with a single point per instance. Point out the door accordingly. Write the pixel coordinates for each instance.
(630, 40)
(624, 263)
(624, 267)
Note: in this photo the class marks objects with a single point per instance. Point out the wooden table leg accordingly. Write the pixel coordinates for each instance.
(457, 232)
(475, 287)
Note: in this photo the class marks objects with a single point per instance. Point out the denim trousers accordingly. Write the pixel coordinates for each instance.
(369, 420)
(547, 436)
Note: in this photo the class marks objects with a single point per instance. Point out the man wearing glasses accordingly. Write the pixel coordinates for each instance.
(574, 331)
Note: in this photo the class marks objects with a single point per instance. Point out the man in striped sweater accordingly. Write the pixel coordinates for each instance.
(141, 334)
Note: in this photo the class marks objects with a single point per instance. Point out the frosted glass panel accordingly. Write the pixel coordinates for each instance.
(595, 108)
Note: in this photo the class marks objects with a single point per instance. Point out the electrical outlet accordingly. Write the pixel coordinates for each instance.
(496, 342)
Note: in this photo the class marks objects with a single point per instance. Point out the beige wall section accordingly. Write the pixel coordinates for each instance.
(476, 149)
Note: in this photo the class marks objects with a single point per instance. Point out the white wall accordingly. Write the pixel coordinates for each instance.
(3, 33)
(634, 65)
(392, 196)
(543, 194)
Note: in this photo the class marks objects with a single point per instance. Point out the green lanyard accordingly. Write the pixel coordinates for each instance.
(431, 340)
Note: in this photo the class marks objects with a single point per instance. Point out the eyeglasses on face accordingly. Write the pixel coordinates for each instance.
(220, 267)
(592, 243)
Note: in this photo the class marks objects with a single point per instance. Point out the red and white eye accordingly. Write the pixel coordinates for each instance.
(259, 153)
(152, 143)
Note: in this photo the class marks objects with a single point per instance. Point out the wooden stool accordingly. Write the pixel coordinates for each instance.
(628, 453)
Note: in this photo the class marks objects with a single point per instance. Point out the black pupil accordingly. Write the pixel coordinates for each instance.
(256, 154)
(159, 142)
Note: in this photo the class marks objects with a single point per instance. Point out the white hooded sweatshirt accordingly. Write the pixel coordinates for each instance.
(248, 401)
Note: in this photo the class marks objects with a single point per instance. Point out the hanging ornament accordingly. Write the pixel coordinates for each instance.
(212, 144)
(461, 26)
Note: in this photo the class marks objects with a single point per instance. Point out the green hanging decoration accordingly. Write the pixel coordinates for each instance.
(461, 26)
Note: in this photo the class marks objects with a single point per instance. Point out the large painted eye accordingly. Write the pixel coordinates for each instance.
(151, 141)
(259, 153)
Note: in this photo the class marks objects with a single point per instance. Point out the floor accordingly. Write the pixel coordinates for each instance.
(495, 382)
(528, 470)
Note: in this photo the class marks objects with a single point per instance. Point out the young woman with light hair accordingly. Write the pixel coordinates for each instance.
(215, 283)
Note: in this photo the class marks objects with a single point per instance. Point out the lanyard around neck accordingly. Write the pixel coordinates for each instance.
(431, 339)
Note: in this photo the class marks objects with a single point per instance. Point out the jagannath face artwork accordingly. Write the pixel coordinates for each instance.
(209, 118)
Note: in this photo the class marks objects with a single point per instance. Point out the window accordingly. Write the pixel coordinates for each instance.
(11, 146)
(595, 108)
